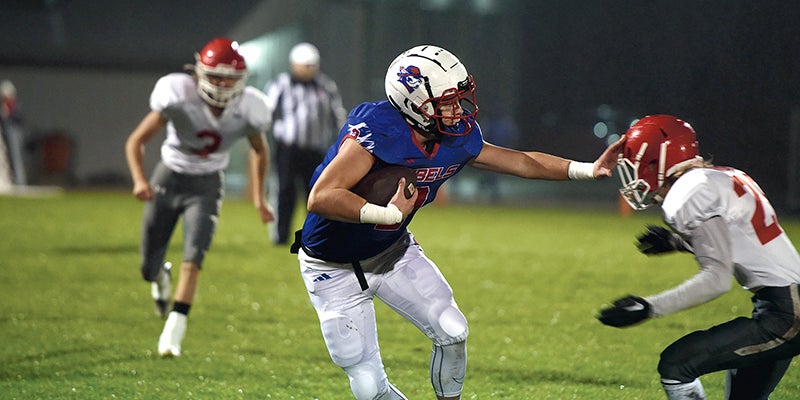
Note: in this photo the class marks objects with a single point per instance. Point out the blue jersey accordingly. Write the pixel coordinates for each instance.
(382, 131)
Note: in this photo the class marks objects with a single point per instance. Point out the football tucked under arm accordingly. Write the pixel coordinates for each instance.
(378, 186)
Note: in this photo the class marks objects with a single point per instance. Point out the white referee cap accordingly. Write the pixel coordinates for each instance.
(7, 89)
(304, 54)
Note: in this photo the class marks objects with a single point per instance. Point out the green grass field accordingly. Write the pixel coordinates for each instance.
(78, 322)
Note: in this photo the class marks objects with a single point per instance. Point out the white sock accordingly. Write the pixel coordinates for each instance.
(684, 391)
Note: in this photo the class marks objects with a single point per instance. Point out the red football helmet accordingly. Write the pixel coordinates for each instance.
(656, 147)
(220, 60)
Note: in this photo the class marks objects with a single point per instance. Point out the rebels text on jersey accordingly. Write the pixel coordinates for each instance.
(382, 131)
(761, 251)
(197, 141)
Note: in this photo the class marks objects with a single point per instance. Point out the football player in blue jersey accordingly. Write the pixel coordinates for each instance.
(351, 250)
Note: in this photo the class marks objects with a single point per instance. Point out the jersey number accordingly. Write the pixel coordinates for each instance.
(764, 232)
(213, 139)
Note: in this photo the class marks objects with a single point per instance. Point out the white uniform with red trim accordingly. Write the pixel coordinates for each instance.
(197, 142)
(195, 153)
(761, 253)
(734, 232)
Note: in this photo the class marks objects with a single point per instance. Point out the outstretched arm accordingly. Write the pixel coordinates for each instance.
(712, 250)
(531, 165)
(713, 253)
(538, 165)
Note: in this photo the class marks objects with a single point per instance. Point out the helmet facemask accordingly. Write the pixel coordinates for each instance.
(657, 148)
(443, 111)
(221, 72)
(637, 192)
(219, 95)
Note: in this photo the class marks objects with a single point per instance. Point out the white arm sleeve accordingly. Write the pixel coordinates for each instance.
(711, 243)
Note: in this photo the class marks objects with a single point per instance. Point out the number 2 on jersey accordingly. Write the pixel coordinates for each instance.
(765, 232)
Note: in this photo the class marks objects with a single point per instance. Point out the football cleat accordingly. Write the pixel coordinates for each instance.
(169, 343)
(160, 289)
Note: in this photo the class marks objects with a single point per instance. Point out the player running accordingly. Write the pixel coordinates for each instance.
(722, 216)
(351, 251)
(204, 114)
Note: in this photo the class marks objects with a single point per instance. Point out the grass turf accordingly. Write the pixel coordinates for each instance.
(77, 320)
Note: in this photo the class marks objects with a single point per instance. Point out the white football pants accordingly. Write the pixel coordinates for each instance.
(415, 289)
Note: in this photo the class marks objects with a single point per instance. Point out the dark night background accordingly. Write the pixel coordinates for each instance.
(730, 68)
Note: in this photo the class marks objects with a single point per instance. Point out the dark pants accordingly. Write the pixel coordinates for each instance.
(195, 198)
(756, 351)
(292, 164)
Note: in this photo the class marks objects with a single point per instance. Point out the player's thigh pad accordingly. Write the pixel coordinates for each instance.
(158, 223)
(350, 334)
(199, 225)
(346, 314)
(418, 291)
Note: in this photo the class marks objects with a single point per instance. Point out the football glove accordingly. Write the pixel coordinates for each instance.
(659, 240)
(626, 311)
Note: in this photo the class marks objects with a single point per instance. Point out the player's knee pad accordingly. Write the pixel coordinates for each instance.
(346, 346)
(367, 381)
(673, 367)
(449, 325)
(151, 269)
(448, 367)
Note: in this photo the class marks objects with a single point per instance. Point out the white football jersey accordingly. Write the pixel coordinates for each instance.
(761, 251)
(198, 142)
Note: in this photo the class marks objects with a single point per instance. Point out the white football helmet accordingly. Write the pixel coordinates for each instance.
(220, 58)
(422, 81)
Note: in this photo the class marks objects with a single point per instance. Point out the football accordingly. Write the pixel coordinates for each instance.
(378, 186)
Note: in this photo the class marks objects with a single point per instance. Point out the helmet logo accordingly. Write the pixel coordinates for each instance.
(411, 77)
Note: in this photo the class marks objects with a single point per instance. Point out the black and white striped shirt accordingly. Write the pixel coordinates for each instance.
(308, 115)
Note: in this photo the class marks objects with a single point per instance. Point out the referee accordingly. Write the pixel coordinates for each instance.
(307, 113)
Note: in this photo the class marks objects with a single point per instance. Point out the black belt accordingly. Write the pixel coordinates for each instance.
(298, 244)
